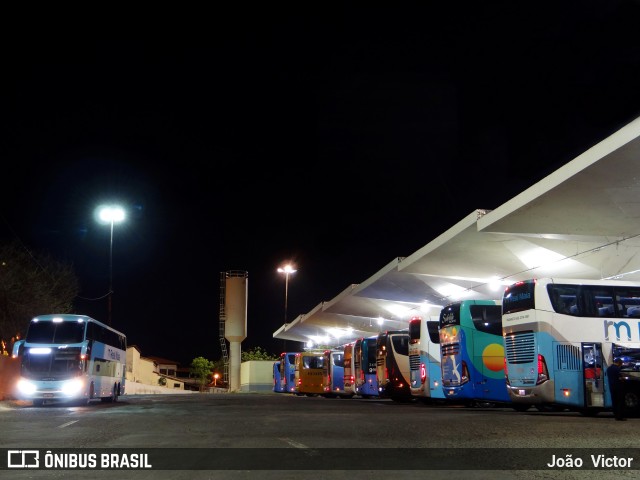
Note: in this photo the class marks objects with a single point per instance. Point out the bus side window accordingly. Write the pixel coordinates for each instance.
(554, 295)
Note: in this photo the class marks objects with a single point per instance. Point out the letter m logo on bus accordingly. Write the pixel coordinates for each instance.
(617, 327)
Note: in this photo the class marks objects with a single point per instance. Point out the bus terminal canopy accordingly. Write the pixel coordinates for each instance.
(581, 221)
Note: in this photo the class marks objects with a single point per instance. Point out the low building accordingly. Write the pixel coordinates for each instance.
(152, 371)
(256, 376)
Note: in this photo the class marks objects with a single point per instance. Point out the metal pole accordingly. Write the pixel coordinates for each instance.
(286, 295)
(286, 302)
(110, 275)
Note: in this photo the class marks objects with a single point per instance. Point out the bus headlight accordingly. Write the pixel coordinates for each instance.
(26, 387)
(72, 387)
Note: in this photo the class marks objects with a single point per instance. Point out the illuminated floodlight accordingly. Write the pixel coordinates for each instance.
(428, 308)
(110, 215)
(287, 270)
(496, 284)
(451, 290)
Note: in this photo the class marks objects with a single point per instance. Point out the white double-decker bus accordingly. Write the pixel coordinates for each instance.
(561, 334)
(70, 358)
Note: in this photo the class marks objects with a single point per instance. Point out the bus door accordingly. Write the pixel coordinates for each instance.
(593, 375)
(349, 380)
(358, 373)
(337, 368)
(326, 371)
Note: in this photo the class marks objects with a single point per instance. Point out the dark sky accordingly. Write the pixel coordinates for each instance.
(337, 140)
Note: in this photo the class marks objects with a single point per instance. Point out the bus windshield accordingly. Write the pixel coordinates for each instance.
(62, 363)
(55, 332)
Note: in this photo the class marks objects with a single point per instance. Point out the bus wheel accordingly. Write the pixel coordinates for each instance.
(590, 412)
(545, 408)
(631, 400)
(521, 407)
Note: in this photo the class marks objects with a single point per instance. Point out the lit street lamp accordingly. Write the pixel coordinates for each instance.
(111, 215)
(216, 376)
(287, 270)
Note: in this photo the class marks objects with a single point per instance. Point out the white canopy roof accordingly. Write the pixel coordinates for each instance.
(582, 221)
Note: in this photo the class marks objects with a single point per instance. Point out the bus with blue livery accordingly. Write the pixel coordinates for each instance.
(288, 372)
(424, 360)
(392, 365)
(70, 358)
(364, 370)
(334, 374)
(473, 353)
(277, 384)
(560, 335)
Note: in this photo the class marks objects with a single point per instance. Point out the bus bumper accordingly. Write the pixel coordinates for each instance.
(49, 390)
(543, 393)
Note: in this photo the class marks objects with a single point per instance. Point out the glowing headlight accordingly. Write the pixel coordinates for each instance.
(26, 387)
(40, 350)
(72, 387)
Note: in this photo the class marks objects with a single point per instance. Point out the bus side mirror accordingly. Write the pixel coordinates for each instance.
(86, 349)
(18, 348)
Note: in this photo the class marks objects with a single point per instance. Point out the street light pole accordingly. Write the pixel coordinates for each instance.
(287, 270)
(111, 215)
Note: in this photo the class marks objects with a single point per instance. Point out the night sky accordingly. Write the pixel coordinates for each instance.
(336, 140)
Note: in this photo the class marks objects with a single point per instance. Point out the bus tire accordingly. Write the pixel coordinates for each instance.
(590, 412)
(521, 407)
(631, 400)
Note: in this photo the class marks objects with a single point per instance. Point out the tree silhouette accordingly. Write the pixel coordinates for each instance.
(257, 354)
(32, 284)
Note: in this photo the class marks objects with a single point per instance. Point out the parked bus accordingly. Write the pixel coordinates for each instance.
(349, 377)
(309, 373)
(424, 360)
(472, 350)
(288, 372)
(364, 360)
(334, 374)
(392, 361)
(70, 358)
(277, 383)
(560, 335)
